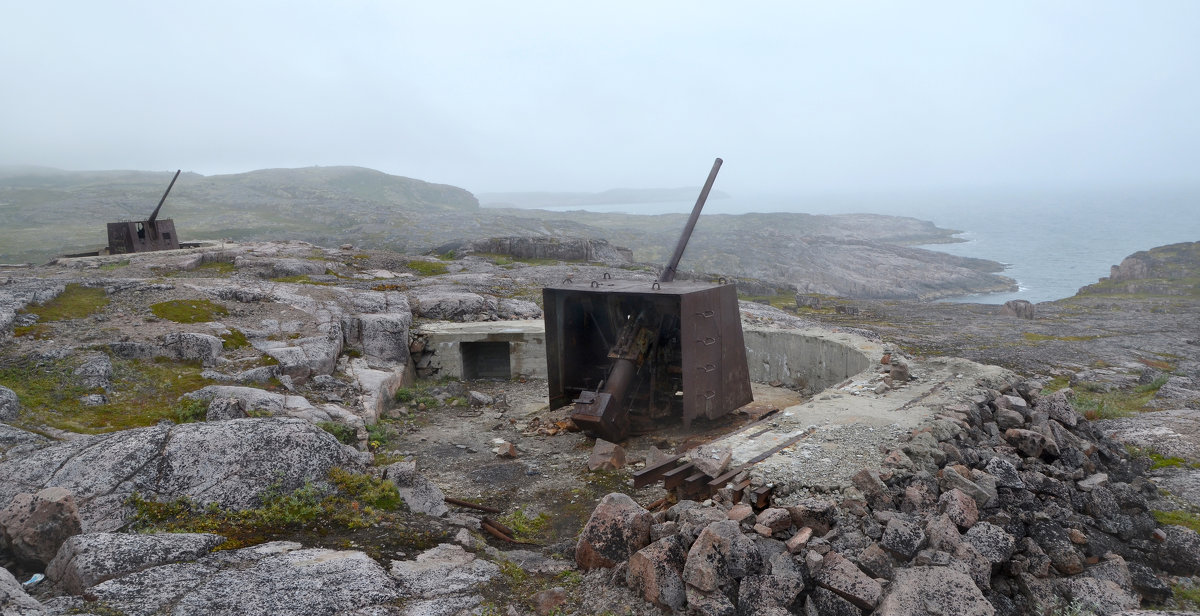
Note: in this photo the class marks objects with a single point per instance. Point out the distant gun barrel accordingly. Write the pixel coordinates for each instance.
(164, 197)
(668, 273)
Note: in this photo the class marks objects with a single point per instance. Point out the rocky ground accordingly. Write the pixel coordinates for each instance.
(945, 474)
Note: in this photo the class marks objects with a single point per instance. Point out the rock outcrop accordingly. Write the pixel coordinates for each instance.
(86, 560)
(267, 579)
(229, 463)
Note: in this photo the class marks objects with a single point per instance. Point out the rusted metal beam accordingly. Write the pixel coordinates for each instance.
(650, 474)
(675, 476)
(470, 505)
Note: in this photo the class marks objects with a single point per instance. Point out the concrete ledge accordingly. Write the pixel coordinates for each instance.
(807, 359)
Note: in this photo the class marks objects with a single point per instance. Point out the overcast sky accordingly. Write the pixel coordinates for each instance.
(492, 96)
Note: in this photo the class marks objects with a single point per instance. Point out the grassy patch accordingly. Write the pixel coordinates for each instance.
(526, 528)
(301, 279)
(1110, 405)
(216, 267)
(389, 287)
(142, 394)
(447, 256)
(37, 331)
(1042, 337)
(427, 268)
(75, 302)
(1057, 383)
(782, 301)
(515, 586)
(1165, 366)
(235, 339)
(188, 310)
(1178, 517)
(378, 435)
(342, 432)
(188, 411)
(1161, 461)
(356, 501)
(415, 396)
(108, 267)
(1187, 596)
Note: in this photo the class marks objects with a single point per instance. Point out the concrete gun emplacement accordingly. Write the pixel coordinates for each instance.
(632, 354)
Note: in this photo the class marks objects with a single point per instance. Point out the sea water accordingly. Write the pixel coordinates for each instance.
(1052, 242)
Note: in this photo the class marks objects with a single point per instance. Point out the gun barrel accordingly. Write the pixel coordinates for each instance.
(669, 271)
(164, 197)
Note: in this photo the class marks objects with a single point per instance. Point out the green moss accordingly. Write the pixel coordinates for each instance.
(1042, 337)
(37, 331)
(301, 279)
(108, 267)
(782, 301)
(188, 411)
(216, 267)
(524, 527)
(513, 572)
(1188, 597)
(142, 393)
(235, 339)
(1178, 517)
(428, 268)
(367, 490)
(1057, 383)
(189, 310)
(1161, 461)
(355, 501)
(447, 256)
(75, 302)
(1094, 403)
(342, 432)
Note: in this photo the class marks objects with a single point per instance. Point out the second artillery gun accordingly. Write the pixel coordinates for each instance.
(646, 351)
(144, 235)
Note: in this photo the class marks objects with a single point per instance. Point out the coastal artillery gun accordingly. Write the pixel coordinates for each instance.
(634, 351)
(144, 235)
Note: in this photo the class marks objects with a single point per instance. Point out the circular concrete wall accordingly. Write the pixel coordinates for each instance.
(806, 360)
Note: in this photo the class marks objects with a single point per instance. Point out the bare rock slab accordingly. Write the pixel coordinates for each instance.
(14, 600)
(848, 581)
(267, 579)
(617, 528)
(415, 490)
(655, 572)
(606, 456)
(229, 463)
(720, 554)
(10, 404)
(35, 525)
(918, 591)
(446, 569)
(86, 560)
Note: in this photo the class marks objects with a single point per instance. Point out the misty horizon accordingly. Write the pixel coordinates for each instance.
(540, 96)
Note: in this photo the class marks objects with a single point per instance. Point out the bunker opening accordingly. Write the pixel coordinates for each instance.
(485, 360)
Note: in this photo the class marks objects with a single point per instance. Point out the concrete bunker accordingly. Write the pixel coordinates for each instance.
(804, 360)
(487, 350)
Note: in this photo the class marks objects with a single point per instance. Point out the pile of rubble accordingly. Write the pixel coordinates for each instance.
(1011, 503)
